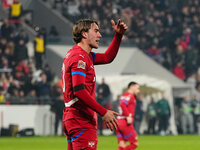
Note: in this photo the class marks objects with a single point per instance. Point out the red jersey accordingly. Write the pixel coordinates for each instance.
(79, 79)
(127, 105)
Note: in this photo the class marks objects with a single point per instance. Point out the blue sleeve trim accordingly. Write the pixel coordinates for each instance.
(93, 56)
(79, 73)
(119, 135)
(127, 136)
(74, 138)
(125, 102)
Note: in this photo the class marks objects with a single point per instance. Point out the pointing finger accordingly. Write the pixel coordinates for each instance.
(113, 23)
(118, 23)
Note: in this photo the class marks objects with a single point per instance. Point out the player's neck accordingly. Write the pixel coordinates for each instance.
(130, 91)
(85, 47)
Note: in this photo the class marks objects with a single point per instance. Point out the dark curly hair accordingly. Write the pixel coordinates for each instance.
(132, 83)
(82, 25)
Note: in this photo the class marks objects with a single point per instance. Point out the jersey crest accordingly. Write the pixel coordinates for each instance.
(81, 64)
(91, 144)
(127, 98)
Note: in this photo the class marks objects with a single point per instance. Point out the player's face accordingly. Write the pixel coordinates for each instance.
(136, 89)
(94, 36)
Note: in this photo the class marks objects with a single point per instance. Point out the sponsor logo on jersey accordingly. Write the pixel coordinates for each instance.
(91, 144)
(67, 55)
(81, 55)
(127, 98)
(92, 66)
(81, 64)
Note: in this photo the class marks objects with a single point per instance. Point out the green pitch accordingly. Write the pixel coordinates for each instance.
(188, 142)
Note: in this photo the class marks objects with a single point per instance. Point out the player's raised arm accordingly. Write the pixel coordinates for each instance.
(107, 57)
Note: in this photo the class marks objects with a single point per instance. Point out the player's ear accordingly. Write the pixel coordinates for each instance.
(84, 35)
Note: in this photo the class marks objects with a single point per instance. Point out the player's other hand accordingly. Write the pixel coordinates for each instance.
(120, 28)
(129, 120)
(110, 120)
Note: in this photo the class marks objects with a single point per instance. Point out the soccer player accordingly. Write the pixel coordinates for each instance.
(78, 74)
(126, 132)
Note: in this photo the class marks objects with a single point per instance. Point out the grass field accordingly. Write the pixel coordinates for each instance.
(189, 142)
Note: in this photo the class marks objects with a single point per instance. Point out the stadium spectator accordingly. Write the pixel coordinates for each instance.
(72, 10)
(104, 99)
(4, 63)
(57, 107)
(186, 116)
(54, 6)
(179, 71)
(43, 89)
(22, 97)
(22, 35)
(177, 56)
(9, 55)
(7, 30)
(151, 116)
(163, 114)
(43, 32)
(3, 43)
(14, 98)
(21, 52)
(196, 112)
(138, 113)
(82, 10)
(154, 53)
(47, 70)
(15, 10)
(4, 82)
(31, 97)
(39, 50)
(190, 60)
(13, 85)
(2, 95)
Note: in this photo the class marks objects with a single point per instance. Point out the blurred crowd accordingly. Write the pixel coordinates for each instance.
(168, 31)
(24, 78)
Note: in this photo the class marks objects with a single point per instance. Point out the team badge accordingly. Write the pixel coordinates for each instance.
(91, 144)
(81, 64)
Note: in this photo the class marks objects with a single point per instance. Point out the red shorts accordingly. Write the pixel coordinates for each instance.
(126, 132)
(79, 138)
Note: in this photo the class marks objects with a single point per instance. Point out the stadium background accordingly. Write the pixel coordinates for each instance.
(162, 34)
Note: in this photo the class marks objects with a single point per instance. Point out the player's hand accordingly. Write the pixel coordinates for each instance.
(120, 28)
(110, 120)
(129, 120)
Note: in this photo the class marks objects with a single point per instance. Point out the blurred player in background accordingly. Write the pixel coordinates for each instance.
(126, 132)
(78, 74)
